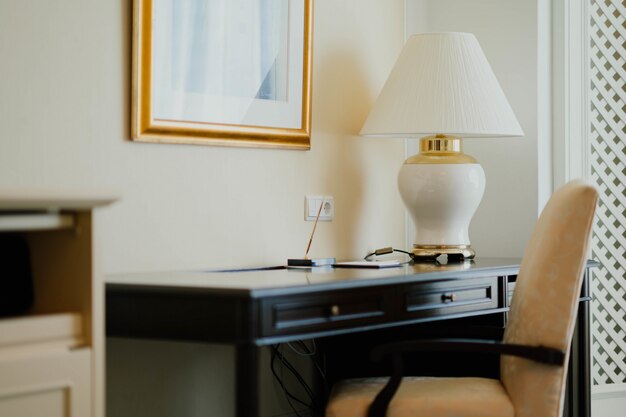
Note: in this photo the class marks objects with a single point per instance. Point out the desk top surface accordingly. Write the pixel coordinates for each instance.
(285, 281)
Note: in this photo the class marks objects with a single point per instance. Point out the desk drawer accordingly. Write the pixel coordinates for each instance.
(459, 296)
(323, 311)
(510, 287)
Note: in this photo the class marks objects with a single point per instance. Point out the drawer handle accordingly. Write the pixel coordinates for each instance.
(448, 297)
(334, 310)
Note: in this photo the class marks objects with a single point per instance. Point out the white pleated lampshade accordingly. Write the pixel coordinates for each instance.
(442, 84)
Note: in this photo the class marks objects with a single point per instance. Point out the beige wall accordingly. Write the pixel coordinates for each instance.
(64, 122)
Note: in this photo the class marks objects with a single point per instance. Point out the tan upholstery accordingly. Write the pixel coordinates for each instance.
(543, 313)
(545, 301)
(429, 397)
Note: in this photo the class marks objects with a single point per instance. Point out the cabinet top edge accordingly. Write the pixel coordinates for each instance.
(22, 199)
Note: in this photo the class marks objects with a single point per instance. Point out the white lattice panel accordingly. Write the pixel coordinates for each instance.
(608, 167)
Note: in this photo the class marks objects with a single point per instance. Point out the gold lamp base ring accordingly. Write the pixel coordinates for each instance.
(432, 252)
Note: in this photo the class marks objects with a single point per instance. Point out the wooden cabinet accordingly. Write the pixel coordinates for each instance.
(51, 352)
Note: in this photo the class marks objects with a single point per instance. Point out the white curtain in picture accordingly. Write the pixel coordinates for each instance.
(213, 58)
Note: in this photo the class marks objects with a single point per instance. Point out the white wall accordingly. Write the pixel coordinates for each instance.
(608, 400)
(64, 122)
(517, 172)
(64, 109)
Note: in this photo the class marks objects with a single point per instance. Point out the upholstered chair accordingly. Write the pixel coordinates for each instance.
(535, 349)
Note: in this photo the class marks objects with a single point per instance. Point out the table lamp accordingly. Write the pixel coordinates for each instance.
(441, 89)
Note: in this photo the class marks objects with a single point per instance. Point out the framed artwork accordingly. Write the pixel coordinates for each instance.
(222, 72)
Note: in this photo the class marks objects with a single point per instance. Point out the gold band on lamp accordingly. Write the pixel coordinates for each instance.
(440, 144)
(431, 252)
(441, 149)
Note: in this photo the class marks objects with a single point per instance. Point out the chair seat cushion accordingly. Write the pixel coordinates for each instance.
(427, 397)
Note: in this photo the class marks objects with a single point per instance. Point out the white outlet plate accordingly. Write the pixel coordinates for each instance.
(312, 205)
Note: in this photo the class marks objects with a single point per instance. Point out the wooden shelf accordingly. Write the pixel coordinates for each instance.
(62, 329)
(11, 222)
(51, 357)
(46, 199)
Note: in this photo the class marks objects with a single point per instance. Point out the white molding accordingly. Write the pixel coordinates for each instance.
(570, 88)
(408, 238)
(545, 180)
(415, 21)
(601, 392)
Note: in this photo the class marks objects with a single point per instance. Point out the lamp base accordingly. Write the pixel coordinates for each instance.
(441, 188)
(430, 253)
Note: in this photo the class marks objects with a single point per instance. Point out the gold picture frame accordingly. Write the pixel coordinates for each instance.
(149, 105)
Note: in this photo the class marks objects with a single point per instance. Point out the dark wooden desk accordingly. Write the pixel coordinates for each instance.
(253, 309)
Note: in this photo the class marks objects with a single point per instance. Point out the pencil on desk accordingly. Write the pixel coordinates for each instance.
(313, 232)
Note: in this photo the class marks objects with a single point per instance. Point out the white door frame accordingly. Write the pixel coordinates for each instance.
(570, 91)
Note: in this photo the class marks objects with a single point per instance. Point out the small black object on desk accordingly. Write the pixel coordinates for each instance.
(311, 262)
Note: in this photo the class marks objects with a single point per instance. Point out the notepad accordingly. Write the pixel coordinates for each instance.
(367, 264)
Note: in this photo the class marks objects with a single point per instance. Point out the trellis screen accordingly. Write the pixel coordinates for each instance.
(608, 170)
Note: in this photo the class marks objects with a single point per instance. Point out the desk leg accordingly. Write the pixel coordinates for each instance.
(247, 381)
(578, 388)
(584, 361)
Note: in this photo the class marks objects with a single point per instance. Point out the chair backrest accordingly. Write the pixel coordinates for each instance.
(545, 301)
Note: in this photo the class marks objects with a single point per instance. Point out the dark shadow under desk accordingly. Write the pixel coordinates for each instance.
(259, 308)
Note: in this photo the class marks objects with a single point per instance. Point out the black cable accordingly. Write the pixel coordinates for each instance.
(279, 378)
(385, 251)
(296, 374)
(288, 395)
(303, 350)
(285, 363)
(310, 353)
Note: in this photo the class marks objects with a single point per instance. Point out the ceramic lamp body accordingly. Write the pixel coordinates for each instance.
(441, 199)
(441, 188)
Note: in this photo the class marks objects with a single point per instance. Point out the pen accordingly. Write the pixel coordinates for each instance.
(313, 232)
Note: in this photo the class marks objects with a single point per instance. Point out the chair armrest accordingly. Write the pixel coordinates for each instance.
(542, 354)
(379, 406)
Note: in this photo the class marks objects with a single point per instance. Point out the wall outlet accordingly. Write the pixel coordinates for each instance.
(312, 205)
